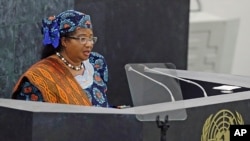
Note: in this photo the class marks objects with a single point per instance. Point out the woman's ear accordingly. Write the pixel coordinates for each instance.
(64, 41)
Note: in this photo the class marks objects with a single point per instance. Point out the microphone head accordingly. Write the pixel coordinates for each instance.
(144, 67)
(138, 67)
(128, 67)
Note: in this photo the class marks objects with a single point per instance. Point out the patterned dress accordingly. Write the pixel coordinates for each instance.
(93, 82)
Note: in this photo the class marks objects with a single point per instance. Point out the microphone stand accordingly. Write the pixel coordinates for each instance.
(163, 125)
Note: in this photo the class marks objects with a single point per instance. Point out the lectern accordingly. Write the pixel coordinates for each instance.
(223, 101)
(36, 121)
(196, 119)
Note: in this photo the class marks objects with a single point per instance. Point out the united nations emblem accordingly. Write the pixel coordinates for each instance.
(216, 127)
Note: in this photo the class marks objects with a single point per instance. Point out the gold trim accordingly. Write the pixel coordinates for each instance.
(216, 127)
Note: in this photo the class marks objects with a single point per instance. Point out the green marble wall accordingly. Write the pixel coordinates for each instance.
(20, 36)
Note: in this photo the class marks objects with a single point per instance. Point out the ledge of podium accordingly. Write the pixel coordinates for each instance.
(35, 121)
(205, 118)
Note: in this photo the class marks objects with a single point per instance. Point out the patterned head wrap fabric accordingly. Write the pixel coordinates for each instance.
(65, 22)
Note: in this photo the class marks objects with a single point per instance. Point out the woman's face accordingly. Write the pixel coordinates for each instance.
(77, 47)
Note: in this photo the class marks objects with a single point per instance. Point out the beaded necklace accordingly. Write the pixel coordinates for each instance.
(77, 68)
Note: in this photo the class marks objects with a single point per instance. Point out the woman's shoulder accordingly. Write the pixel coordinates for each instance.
(49, 62)
(96, 55)
(98, 61)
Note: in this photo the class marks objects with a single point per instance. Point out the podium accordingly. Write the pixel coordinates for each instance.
(205, 118)
(223, 101)
(36, 121)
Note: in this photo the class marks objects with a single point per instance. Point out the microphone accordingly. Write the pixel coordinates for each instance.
(169, 75)
(129, 68)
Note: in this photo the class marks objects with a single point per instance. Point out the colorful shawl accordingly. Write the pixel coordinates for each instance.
(55, 82)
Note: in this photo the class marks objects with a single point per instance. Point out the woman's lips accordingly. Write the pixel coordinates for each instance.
(86, 53)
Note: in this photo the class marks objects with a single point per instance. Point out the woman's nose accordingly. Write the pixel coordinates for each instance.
(89, 44)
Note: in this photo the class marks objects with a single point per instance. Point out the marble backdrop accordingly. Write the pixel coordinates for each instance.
(155, 31)
(20, 36)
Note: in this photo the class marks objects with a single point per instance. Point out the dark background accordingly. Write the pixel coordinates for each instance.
(141, 31)
(130, 31)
